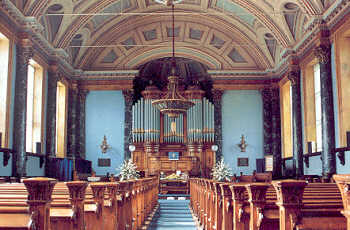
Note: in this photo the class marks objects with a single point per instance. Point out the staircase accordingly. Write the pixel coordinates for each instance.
(173, 214)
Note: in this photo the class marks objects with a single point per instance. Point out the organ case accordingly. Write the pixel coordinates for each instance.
(191, 134)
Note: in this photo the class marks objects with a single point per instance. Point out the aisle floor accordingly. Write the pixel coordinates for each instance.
(173, 214)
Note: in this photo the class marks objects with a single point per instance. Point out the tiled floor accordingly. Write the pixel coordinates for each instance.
(173, 214)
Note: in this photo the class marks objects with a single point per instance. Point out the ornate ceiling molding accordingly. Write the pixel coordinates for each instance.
(31, 26)
(332, 17)
(105, 75)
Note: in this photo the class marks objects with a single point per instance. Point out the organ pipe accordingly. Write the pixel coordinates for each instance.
(146, 123)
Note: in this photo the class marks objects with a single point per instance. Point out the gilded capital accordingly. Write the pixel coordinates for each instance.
(322, 53)
(25, 51)
(128, 95)
(293, 76)
(82, 94)
(217, 94)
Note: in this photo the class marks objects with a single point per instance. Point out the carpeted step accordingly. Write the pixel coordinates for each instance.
(173, 214)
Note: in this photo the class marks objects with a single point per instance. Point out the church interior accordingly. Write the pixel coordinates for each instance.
(174, 114)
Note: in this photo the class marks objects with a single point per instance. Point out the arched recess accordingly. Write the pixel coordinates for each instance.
(58, 19)
(77, 47)
(156, 72)
(53, 18)
(269, 44)
(289, 14)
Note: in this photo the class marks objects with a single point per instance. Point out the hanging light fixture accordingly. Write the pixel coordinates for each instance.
(173, 103)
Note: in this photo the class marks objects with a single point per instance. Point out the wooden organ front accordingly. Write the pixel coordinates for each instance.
(191, 135)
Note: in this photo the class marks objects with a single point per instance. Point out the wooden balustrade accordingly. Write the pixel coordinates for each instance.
(44, 204)
(284, 205)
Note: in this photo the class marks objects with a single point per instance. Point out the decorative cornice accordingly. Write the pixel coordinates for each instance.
(105, 75)
(244, 75)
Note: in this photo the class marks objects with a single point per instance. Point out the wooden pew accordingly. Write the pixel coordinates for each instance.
(343, 183)
(106, 211)
(282, 205)
(297, 205)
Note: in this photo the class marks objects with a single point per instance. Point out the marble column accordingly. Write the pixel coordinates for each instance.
(276, 133)
(294, 77)
(128, 98)
(272, 128)
(217, 96)
(24, 53)
(72, 127)
(53, 77)
(267, 120)
(323, 54)
(81, 117)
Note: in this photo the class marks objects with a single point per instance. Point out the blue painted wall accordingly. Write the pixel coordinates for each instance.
(33, 167)
(242, 113)
(105, 116)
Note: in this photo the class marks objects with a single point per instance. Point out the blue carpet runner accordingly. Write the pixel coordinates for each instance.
(173, 214)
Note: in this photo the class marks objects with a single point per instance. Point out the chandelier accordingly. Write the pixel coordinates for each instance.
(173, 103)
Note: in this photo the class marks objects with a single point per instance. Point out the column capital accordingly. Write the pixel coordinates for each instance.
(128, 95)
(73, 85)
(217, 94)
(82, 94)
(294, 76)
(266, 92)
(53, 67)
(25, 49)
(322, 53)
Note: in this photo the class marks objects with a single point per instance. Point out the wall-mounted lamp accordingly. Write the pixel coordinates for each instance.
(132, 148)
(104, 146)
(243, 144)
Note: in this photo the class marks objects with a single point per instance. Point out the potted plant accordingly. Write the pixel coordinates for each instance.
(221, 172)
(128, 171)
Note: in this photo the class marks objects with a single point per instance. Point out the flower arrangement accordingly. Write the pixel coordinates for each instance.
(221, 171)
(128, 171)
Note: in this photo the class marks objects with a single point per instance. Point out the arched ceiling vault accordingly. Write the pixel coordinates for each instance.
(226, 38)
(223, 34)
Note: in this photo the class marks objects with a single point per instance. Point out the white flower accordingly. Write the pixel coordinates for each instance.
(128, 170)
(221, 172)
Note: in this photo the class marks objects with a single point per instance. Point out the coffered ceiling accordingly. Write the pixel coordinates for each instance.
(224, 35)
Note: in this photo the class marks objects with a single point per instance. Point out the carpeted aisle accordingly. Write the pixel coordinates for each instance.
(173, 214)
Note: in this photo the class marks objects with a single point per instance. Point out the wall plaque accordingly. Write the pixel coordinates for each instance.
(104, 162)
(269, 163)
(243, 162)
